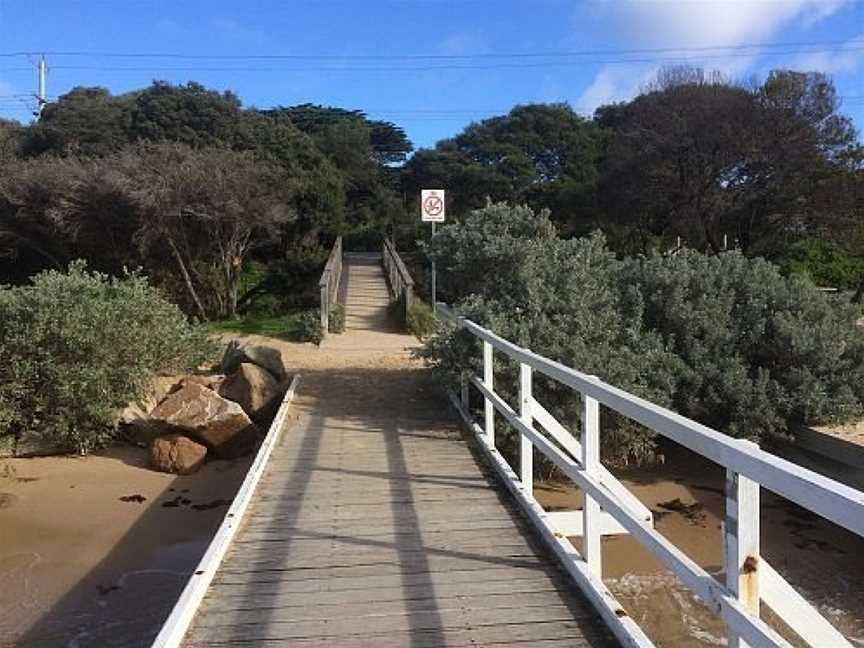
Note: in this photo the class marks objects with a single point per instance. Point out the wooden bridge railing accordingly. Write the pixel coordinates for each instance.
(398, 277)
(329, 282)
(749, 578)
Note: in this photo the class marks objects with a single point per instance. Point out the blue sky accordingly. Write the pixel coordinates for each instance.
(480, 80)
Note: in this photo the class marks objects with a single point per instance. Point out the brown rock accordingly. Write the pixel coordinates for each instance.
(205, 416)
(265, 357)
(157, 390)
(177, 454)
(210, 381)
(252, 387)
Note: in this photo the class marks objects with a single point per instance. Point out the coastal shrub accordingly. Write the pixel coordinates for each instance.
(336, 319)
(759, 353)
(307, 327)
(77, 345)
(514, 275)
(420, 320)
(725, 340)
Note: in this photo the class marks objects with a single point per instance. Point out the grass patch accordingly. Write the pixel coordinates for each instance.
(291, 326)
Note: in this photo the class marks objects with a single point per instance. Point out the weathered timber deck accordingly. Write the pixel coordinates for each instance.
(374, 525)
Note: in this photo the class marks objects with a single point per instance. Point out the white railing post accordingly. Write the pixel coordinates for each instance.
(741, 536)
(591, 521)
(488, 380)
(526, 448)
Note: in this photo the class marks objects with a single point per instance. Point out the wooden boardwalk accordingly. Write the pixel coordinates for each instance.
(375, 525)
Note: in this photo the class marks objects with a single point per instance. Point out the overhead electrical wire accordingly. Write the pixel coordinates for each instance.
(418, 57)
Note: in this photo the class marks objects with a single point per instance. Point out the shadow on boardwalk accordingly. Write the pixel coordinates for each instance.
(375, 526)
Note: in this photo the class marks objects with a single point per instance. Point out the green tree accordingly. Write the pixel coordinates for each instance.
(699, 157)
(11, 134)
(210, 208)
(84, 121)
(544, 155)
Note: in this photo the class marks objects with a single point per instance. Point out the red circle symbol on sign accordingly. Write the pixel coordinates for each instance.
(433, 206)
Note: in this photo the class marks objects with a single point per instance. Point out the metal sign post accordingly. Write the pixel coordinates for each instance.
(432, 210)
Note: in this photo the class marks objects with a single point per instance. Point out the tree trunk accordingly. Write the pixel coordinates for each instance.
(188, 280)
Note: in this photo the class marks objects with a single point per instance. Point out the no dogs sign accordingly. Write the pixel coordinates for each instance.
(432, 205)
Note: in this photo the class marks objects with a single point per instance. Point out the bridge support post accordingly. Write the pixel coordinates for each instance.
(592, 523)
(488, 380)
(526, 448)
(741, 536)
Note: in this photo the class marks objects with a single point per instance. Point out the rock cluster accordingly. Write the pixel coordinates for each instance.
(185, 419)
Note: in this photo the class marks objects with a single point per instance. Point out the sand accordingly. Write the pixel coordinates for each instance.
(81, 567)
(851, 432)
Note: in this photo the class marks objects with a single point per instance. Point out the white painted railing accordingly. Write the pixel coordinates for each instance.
(610, 508)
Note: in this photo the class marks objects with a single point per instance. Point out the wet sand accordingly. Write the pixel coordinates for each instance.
(824, 562)
(79, 566)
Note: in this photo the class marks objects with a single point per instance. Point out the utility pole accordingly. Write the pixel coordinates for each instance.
(41, 96)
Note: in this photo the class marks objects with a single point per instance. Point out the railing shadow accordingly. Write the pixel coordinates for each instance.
(381, 426)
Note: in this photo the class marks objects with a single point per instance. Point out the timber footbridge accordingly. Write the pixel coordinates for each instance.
(377, 513)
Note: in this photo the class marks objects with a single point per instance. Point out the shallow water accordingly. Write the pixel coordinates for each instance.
(822, 561)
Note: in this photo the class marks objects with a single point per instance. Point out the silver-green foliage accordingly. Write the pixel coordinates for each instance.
(512, 273)
(419, 320)
(759, 353)
(77, 345)
(723, 339)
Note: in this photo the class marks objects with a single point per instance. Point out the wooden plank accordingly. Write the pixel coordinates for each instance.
(397, 601)
(502, 634)
(237, 597)
(625, 629)
(261, 624)
(372, 578)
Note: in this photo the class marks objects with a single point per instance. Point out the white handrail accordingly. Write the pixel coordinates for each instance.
(748, 468)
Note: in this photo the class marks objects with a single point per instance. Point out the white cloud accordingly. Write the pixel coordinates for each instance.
(844, 60)
(699, 24)
(613, 83)
(706, 23)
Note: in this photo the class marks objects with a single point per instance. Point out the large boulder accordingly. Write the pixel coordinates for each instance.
(210, 381)
(205, 416)
(157, 390)
(252, 388)
(175, 453)
(265, 357)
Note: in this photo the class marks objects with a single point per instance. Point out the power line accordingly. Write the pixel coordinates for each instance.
(443, 67)
(431, 57)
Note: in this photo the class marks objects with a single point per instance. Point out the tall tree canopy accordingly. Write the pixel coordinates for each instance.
(700, 157)
(545, 155)
(365, 152)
